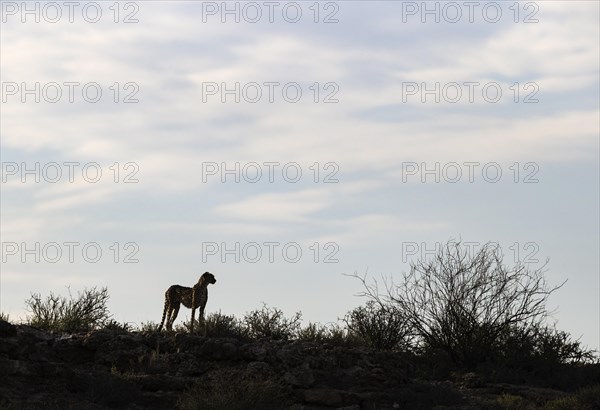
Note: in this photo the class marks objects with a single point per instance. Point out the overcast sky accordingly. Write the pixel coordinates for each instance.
(364, 134)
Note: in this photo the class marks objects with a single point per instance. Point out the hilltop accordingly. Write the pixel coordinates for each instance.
(113, 368)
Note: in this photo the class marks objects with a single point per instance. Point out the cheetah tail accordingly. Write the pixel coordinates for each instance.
(164, 314)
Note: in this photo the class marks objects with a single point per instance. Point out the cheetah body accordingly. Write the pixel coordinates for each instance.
(192, 298)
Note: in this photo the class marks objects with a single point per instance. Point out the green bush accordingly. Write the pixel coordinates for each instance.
(234, 389)
(271, 323)
(379, 326)
(60, 314)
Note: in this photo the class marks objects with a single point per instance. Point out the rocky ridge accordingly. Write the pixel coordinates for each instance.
(149, 370)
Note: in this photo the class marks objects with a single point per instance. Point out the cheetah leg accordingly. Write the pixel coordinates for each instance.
(193, 318)
(201, 319)
(168, 325)
(193, 310)
(174, 314)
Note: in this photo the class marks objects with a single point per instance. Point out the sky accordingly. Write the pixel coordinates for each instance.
(283, 146)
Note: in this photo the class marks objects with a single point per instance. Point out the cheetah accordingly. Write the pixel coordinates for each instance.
(192, 298)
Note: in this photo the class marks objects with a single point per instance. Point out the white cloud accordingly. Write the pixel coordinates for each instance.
(287, 207)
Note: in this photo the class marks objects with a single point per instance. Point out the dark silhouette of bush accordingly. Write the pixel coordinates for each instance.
(538, 346)
(314, 332)
(462, 302)
(541, 355)
(220, 325)
(216, 325)
(331, 333)
(271, 323)
(149, 326)
(379, 326)
(56, 313)
(116, 326)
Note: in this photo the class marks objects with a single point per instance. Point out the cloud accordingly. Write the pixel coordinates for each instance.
(291, 207)
(368, 134)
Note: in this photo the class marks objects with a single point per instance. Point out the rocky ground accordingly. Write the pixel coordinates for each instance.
(136, 370)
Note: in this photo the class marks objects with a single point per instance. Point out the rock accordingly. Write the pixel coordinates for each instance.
(290, 356)
(10, 346)
(258, 353)
(28, 334)
(326, 397)
(354, 371)
(258, 367)
(300, 376)
(330, 397)
(159, 382)
(378, 374)
(7, 329)
(209, 349)
(346, 360)
(12, 367)
(186, 342)
(71, 350)
(229, 350)
(108, 369)
(472, 380)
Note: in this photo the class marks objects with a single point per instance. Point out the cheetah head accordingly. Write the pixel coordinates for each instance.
(208, 277)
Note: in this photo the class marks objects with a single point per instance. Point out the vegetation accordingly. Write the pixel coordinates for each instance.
(540, 344)
(272, 323)
(215, 325)
(463, 302)
(114, 325)
(149, 326)
(586, 398)
(61, 314)
(233, 389)
(379, 326)
(331, 333)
